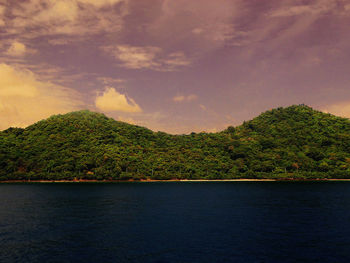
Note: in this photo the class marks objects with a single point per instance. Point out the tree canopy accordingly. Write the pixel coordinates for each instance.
(294, 142)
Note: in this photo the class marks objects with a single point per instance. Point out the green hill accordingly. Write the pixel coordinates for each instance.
(292, 142)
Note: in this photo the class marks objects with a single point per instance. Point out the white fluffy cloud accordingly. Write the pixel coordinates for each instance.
(24, 99)
(111, 100)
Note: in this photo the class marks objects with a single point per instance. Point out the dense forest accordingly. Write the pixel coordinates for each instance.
(296, 142)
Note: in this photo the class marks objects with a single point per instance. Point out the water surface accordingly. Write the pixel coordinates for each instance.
(175, 222)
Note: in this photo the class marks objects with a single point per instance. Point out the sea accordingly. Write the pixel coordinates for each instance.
(175, 222)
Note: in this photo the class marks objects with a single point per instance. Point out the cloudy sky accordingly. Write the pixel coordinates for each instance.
(172, 65)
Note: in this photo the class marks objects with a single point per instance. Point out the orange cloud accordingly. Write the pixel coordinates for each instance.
(182, 98)
(35, 18)
(111, 100)
(2, 11)
(100, 3)
(24, 99)
(16, 49)
(339, 109)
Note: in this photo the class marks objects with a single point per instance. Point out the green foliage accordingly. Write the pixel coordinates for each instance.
(286, 143)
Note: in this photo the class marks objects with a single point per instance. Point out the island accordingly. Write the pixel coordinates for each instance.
(291, 143)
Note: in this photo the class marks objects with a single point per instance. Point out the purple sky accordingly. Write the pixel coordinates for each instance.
(172, 65)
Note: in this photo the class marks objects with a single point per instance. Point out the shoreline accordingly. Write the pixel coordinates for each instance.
(171, 180)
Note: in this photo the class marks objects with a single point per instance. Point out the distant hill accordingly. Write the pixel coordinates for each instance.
(296, 142)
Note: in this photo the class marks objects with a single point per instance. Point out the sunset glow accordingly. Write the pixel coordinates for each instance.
(172, 65)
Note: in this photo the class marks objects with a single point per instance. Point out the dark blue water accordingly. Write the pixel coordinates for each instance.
(175, 222)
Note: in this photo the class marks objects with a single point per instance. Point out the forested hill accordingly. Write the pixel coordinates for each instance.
(292, 142)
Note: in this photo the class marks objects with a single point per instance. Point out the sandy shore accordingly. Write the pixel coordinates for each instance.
(171, 180)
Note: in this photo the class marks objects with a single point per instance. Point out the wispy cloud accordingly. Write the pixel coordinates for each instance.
(177, 59)
(35, 18)
(314, 8)
(147, 57)
(209, 20)
(59, 41)
(100, 3)
(135, 57)
(183, 98)
(108, 81)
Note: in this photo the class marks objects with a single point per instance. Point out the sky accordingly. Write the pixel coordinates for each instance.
(172, 65)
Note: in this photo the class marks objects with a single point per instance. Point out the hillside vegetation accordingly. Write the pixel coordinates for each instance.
(294, 142)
